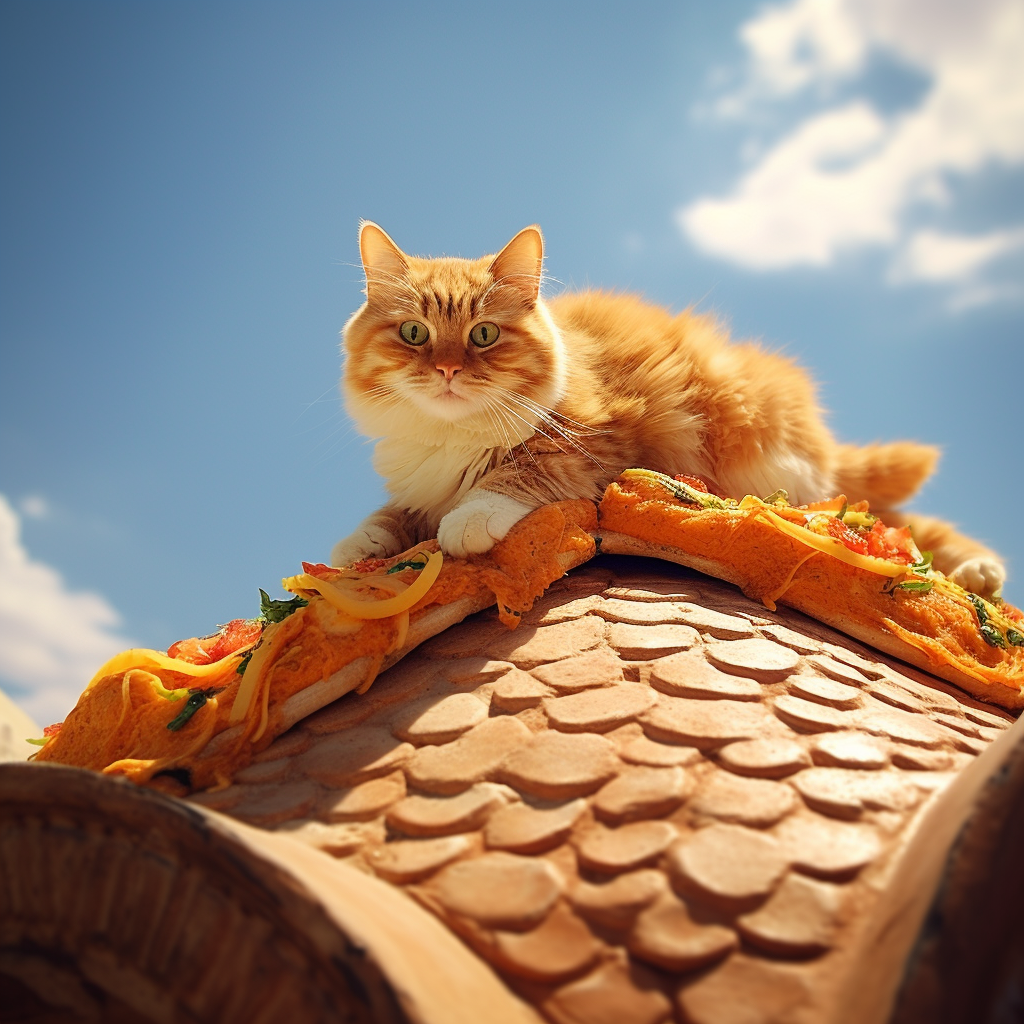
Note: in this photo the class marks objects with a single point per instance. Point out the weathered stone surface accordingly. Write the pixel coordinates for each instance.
(264, 771)
(641, 750)
(845, 792)
(988, 718)
(520, 828)
(850, 750)
(559, 947)
(409, 860)
(624, 848)
(747, 990)
(527, 648)
(732, 798)
(558, 766)
(599, 668)
(273, 803)
(498, 890)
(346, 758)
(826, 848)
(690, 675)
(643, 643)
(438, 720)
(665, 935)
(471, 758)
(640, 613)
(615, 904)
(763, 660)
(474, 669)
(598, 710)
(772, 758)
(964, 725)
(838, 670)
(895, 695)
(848, 656)
(654, 589)
(446, 815)
(799, 919)
(339, 839)
(365, 801)
(789, 638)
(919, 758)
(517, 690)
(903, 727)
(615, 993)
(642, 793)
(558, 608)
(717, 624)
(728, 863)
(808, 715)
(290, 745)
(704, 723)
(825, 691)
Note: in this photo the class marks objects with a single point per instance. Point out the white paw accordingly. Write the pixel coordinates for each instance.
(478, 524)
(983, 575)
(365, 542)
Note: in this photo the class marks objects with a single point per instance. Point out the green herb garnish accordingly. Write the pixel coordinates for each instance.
(38, 743)
(989, 633)
(244, 663)
(197, 699)
(779, 497)
(409, 563)
(276, 611)
(1015, 638)
(842, 512)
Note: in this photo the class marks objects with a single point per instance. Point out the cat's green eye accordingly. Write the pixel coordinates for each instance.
(484, 335)
(413, 332)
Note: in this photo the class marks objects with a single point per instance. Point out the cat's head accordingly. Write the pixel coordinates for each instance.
(452, 341)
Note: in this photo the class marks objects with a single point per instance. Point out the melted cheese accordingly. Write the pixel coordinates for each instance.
(140, 657)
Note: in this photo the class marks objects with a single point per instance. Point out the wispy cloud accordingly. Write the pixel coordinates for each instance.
(848, 175)
(52, 639)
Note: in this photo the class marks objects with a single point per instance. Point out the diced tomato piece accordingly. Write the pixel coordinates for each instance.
(847, 537)
(694, 481)
(205, 650)
(890, 542)
(320, 571)
(51, 730)
(369, 564)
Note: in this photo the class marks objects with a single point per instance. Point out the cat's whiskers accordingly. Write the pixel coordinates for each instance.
(547, 418)
(495, 415)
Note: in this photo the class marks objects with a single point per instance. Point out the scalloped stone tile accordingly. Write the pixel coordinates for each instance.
(717, 624)
(641, 750)
(445, 815)
(642, 793)
(827, 848)
(558, 766)
(599, 668)
(339, 839)
(528, 647)
(644, 643)
(771, 758)
(763, 660)
(988, 718)
(615, 904)
(365, 801)
(292, 743)
(624, 848)
(410, 860)
(498, 890)
(825, 691)
(733, 798)
(349, 757)
(788, 638)
(799, 919)
(704, 723)
(521, 828)
(919, 758)
(690, 675)
(845, 792)
(264, 771)
(850, 750)
(471, 758)
(639, 613)
(615, 993)
(558, 609)
(810, 716)
(598, 710)
(517, 690)
(902, 726)
(895, 695)
(772, 993)
(272, 803)
(656, 590)
(666, 936)
(728, 863)
(474, 669)
(559, 947)
(964, 725)
(872, 669)
(438, 720)
(838, 670)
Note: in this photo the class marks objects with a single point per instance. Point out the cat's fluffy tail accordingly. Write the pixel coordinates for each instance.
(885, 475)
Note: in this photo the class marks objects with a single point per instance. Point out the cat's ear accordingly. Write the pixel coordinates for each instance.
(519, 264)
(383, 262)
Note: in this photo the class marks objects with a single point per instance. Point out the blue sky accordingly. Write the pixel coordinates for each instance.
(182, 183)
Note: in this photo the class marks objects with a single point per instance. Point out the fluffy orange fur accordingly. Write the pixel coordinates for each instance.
(490, 401)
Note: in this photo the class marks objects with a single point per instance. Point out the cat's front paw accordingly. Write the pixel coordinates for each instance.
(983, 575)
(365, 542)
(478, 524)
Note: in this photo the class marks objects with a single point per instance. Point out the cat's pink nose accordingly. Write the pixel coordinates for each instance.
(448, 369)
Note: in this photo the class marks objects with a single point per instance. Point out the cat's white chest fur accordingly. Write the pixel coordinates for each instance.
(432, 478)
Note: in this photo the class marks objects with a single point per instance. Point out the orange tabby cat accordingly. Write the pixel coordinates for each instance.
(490, 401)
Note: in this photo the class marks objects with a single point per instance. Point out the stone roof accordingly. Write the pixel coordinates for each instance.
(653, 801)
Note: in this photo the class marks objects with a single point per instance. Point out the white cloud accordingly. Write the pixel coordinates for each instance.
(937, 256)
(52, 639)
(849, 176)
(35, 506)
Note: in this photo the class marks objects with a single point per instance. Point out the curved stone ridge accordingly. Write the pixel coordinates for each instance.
(653, 801)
